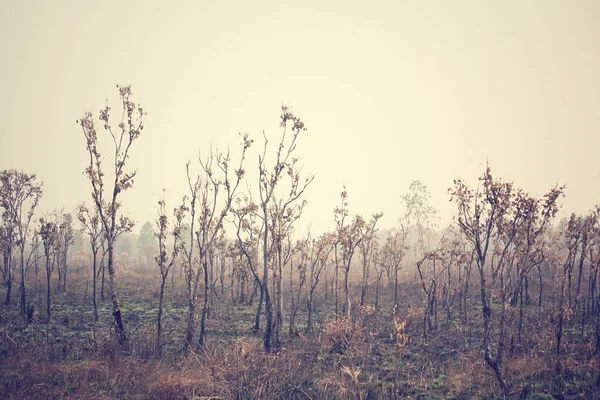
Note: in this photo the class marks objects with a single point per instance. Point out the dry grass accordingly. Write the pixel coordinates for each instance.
(377, 355)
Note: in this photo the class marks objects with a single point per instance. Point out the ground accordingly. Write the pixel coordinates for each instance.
(74, 357)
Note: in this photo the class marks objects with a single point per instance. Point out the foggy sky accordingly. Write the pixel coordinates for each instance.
(390, 92)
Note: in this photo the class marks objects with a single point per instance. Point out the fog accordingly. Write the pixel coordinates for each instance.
(390, 92)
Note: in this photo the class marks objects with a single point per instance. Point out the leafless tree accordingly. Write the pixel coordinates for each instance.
(318, 252)
(366, 249)
(492, 218)
(163, 260)
(298, 263)
(7, 244)
(130, 127)
(269, 179)
(283, 215)
(393, 252)
(65, 237)
(247, 245)
(348, 239)
(48, 233)
(205, 189)
(93, 229)
(19, 197)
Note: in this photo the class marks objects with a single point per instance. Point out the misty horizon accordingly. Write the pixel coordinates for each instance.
(428, 95)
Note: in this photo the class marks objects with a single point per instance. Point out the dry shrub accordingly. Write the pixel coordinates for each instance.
(242, 370)
(527, 368)
(340, 335)
(253, 374)
(186, 379)
(366, 316)
(344, 385)
(470, 376)
(400, 336)
(143, 341)
(347, 384)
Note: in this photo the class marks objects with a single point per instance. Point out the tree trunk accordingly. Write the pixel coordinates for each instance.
(294, 301)
(278, 302)
(102, 288)
(253, 295)
(268, 305)
(159, 316)
(580, 272)
(48, 272)
(337, 311)
(598, 329)
(233, 274)
(189, 336)
(37, 283)
(59, 273)
(242, 289)
(326, 284)
(173, 278)
(268, 319)
(119, 327)
(205, 305)
(487, 313)
(541, 286)
(395, 286)
(377, 291)
(310, 309)
(364, 286)
(94, 284)
(9, 284)
(521, 316)
(347, 293)
(64, 287)
(222, 278)
(23, 295)
(259, 309)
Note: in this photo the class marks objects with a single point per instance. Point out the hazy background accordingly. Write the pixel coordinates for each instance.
(390, 92)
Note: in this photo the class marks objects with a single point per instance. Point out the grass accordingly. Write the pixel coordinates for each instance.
(75, 357)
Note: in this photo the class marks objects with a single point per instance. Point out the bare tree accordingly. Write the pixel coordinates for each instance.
(7, 243)
(318, 252)
(419, 214)
(348, 238)
(479, 215)
(191, 277)
(48, 233)
(214, 179)
(165, 262)
(210, 222)
(269, 178)
(392, 254)
(380, 268)
(248, 242)
(572, 241)
(19, 196)
(366, 250)
(429, 285)
(130, 126)
(300, 267)
(283, 214)
(492, 218)
(91, 224)
(593, 293)
(65, 236)
(438, 272)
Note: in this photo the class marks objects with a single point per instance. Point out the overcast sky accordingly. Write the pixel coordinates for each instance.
(390, 92)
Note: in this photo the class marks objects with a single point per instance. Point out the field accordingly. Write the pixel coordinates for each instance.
(75, 357)
(285, 200)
